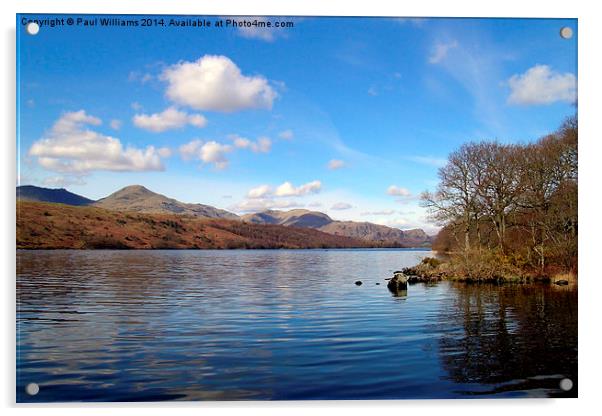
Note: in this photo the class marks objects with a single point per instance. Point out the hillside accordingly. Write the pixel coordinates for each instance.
(293, 218)
(60, 196)
(360, 230)
(137, 198)
(58, 226)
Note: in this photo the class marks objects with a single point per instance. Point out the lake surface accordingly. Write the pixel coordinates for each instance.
(280, 325)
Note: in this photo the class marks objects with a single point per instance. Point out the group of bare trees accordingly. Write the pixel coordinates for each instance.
(518, 199)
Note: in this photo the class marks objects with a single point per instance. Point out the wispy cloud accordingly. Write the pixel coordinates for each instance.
(335, 164)
(264, 30)
(340, 206)
(440, 51)
(398, 191)
(429, 160)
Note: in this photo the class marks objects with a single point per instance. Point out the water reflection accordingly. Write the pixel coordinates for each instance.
(510, 338)
(281, 324)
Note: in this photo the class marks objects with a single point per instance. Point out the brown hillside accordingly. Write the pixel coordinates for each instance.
(54, 226)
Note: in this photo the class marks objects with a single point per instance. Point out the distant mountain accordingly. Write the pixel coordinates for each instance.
(293, 218)
(137, 198)
(59, 196)
(359, 230)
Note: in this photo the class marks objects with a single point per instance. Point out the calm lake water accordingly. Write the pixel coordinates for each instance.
(279, 324)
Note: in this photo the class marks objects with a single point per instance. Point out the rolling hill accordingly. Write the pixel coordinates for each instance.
(57, 226)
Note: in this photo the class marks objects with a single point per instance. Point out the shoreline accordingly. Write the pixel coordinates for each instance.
(432, 270)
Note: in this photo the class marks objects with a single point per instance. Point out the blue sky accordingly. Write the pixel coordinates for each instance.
(349, 116)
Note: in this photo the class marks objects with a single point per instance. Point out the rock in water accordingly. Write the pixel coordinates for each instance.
(358, 283)
(561, 282)
(398, 283)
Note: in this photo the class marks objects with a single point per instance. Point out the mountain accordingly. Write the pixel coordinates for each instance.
(359, 230)
(293, 218)
(59, 196)
(43, 225)
(137, 198)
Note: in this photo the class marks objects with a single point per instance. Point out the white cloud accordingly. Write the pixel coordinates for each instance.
(262, 145)
(260, 192)
(287, 189)
(63, 181)
(286, 135)
(428, 160)
(70, 147)
(267, 34)
(136, 106)
(115, 124)
(335, 164)
(170, 118)
(264, 204)
(339, 206)
(384, 212)
(441, 50)
(164, 151)
(210, 152)
(398, 191)
(215, 83)
(541, 85)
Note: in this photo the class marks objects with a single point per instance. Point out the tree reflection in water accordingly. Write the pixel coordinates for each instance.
(511, 337)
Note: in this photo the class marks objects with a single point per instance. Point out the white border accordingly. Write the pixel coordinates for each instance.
(590, 94)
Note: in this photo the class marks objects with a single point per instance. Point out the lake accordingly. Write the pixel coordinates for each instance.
(280, 325)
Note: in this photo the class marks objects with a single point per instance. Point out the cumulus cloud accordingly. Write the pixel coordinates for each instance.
(210, 152)
(398, 191)
(339, 206)
(262, 145)
(260, 192)
(264, 204)
(70, 147)
(541, 85)
(215, 83)
(171, 118)
(288, 189)
(441, 50)
(336, 164)
(286, 135)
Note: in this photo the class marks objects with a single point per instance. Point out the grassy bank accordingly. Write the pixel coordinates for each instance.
(483, 266)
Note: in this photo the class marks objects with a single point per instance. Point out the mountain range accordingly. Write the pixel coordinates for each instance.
(138, 199)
